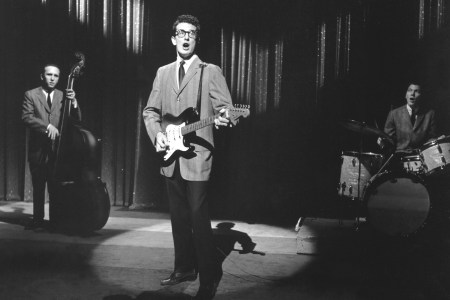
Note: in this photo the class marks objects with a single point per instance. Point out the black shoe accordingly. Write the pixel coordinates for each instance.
(206, 292)
(177, 277)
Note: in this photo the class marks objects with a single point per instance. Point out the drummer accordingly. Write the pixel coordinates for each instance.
(410, 125)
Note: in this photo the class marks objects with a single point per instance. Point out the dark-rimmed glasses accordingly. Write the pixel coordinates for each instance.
(181, 33)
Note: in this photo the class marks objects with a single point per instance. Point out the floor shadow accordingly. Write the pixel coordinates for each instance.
(225, 239)
(16, 217)
(151, 295)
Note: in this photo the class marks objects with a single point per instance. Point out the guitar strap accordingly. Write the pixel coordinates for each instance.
(199, 95)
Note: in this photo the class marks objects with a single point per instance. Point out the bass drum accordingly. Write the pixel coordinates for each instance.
(398, 204)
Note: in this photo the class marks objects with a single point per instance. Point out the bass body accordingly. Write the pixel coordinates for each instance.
(79, 200)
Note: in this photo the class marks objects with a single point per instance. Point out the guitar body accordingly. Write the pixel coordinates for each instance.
(178, 144)
(179, 129)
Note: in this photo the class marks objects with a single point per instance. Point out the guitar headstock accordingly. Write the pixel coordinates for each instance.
(237, 112)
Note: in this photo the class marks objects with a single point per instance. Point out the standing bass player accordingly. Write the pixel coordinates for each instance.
(41, 114)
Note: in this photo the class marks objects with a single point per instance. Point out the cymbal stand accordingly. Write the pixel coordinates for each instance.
(359, 183)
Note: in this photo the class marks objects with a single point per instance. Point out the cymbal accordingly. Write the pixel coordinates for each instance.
(363, 128)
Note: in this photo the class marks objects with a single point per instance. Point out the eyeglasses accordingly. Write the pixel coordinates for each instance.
(181, 33)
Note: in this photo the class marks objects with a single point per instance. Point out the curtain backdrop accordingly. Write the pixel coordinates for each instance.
(301, 66)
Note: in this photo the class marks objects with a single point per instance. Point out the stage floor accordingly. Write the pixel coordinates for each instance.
(325, 259)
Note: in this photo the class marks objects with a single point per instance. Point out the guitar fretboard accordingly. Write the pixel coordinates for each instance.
(197, 125)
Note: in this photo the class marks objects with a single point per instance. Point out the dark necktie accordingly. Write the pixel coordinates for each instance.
(49, 100)
(413, 118)
(181, 72)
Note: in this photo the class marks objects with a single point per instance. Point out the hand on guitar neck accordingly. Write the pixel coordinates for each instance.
(222, 118)
(175, 128)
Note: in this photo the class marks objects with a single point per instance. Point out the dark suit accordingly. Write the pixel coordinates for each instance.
(406, 136)
(37, 115)
(186, 178)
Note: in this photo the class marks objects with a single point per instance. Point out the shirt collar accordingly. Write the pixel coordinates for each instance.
(45, 93)
(410, 109)
(187, 62)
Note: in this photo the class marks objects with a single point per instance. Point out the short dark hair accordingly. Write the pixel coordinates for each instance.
(418, 83)
(50, 65)
(415, 82)
(186, 19)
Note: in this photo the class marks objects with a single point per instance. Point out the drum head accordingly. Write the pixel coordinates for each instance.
(397, 204)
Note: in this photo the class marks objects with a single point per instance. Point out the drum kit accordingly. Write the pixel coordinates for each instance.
(392, 189)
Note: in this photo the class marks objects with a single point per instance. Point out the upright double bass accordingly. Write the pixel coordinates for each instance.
(79, 200)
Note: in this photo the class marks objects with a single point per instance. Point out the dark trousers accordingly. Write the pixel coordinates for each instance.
(191, 227)
(40, 175)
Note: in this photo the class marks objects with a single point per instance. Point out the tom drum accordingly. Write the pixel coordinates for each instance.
(435, 156)
(412, 164)
(356, 170)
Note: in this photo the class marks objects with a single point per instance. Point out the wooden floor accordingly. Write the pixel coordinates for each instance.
(325, 259)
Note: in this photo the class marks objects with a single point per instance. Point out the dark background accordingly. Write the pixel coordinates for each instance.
(277, 165)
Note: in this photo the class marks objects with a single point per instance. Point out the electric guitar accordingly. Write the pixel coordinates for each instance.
(176, 128)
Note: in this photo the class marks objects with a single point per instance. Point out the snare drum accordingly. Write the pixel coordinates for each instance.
(398, 204)
(435, 156)
(412, 164)
(352, 173)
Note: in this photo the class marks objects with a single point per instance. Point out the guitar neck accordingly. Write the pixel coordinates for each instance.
(197, 125)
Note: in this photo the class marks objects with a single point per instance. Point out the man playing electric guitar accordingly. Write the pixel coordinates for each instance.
(178, 86)
(179, 131)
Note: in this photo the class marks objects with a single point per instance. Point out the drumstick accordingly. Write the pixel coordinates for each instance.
(376, 124)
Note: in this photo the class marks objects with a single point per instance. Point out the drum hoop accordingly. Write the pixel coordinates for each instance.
(430, 144)
(375, 180)
(434, 170)
(405, 158)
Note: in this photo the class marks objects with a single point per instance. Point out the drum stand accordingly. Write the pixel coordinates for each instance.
(342, 186)
(357, 221)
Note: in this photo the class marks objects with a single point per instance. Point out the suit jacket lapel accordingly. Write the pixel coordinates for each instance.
(419, 119)
(193, 69)
(57, 100)
(406, 117)
(173, 81)
(43, 100)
